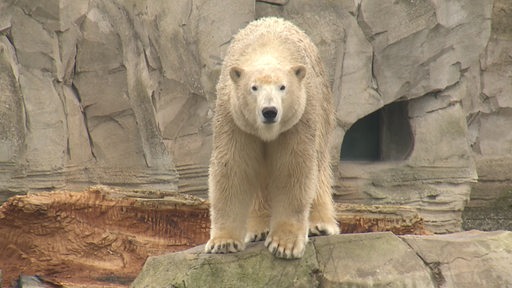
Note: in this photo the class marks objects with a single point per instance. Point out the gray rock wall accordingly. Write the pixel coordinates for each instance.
(488, 109)
(121, 92)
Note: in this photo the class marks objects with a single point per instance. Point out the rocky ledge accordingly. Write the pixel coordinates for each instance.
(466, 259)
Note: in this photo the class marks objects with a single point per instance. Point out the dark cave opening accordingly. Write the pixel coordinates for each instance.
(384, 135)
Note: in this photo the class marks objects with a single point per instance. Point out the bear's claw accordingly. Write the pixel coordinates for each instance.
(222, 246)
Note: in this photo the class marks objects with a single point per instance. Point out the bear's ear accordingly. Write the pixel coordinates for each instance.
(236, 73)
(299, 71)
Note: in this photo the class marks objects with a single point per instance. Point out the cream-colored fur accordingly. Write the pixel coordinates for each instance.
(271, 178)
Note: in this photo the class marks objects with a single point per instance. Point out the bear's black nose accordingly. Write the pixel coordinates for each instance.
(269, 114)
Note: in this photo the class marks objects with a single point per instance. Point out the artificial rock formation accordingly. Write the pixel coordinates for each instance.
(121, 93)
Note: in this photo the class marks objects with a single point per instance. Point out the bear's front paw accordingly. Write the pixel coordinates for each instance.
(223, 245)
(286, 244)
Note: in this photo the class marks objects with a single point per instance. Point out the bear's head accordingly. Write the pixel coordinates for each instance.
(268, 99)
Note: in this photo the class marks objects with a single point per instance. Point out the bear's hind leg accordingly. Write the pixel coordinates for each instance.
(322, 217)
(259, 219)
(292, 178)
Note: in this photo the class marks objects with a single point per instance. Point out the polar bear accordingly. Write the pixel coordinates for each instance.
(270, 171)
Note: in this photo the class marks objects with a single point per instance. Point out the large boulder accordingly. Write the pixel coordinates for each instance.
(467, 259)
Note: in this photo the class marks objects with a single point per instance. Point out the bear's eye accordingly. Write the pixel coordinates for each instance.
(282, 87)
(254, 88)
